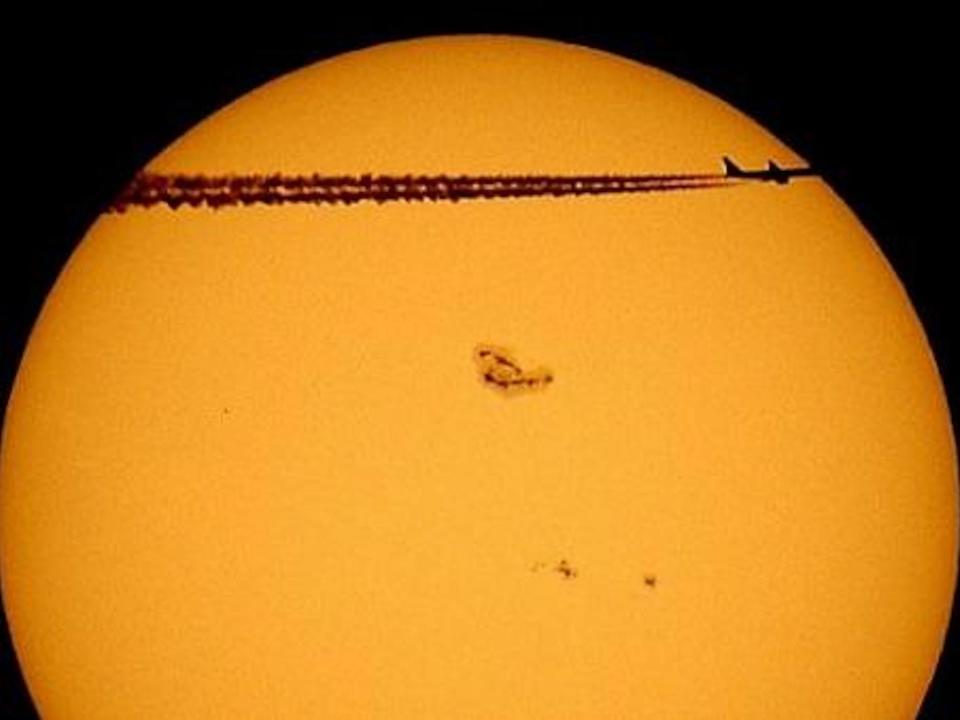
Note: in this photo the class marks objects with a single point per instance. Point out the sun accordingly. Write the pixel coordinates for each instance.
(560, 455)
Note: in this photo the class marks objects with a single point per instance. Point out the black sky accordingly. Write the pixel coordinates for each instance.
(865, 100)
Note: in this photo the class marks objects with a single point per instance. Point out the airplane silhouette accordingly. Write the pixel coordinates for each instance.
(773, 172)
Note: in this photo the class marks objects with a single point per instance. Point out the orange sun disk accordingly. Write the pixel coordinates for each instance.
(253, 465)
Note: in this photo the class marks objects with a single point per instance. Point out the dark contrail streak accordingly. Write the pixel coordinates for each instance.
(216, 191)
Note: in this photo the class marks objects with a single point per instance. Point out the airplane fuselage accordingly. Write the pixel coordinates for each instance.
(772, 173)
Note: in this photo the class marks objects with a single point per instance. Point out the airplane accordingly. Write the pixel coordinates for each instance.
(773, 173)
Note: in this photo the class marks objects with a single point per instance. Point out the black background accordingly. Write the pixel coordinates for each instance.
(866, 100)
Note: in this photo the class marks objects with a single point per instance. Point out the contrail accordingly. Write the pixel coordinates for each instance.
(217, 191)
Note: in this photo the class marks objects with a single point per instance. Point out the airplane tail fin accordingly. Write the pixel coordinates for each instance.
(731, 168)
